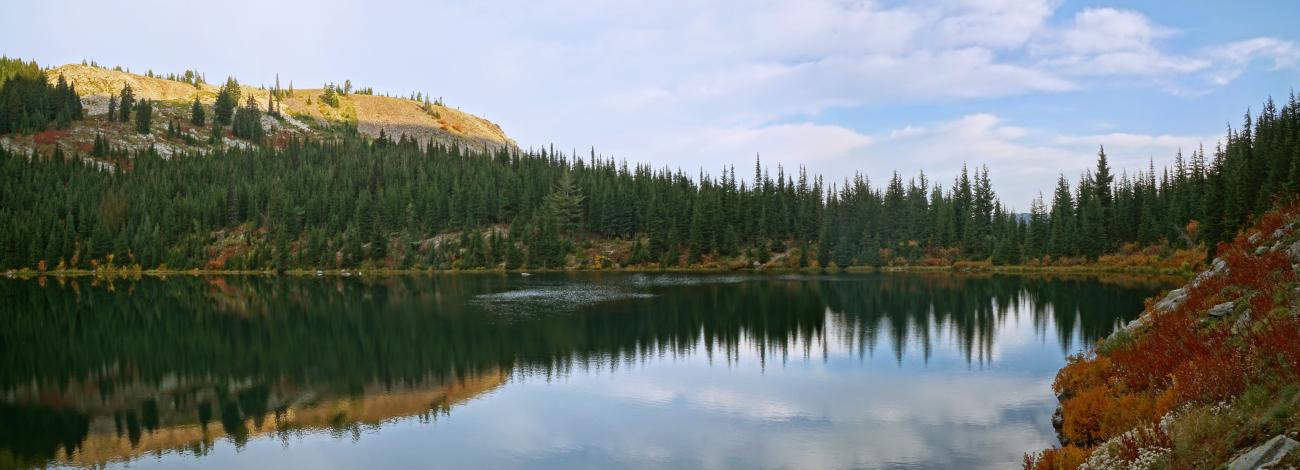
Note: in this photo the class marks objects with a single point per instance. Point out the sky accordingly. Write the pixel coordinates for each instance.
(1028, 88)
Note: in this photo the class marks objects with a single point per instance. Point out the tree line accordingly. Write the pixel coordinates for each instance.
(29, 104)
(381, 202)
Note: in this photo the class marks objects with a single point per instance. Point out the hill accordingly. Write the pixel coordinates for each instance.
(302, 113)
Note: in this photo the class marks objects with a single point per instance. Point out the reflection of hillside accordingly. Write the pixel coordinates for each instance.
(106, 443)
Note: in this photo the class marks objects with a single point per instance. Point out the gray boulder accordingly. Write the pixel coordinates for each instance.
(1172, 300)
(1218, 267)
(1221, 310)
(1265, 455)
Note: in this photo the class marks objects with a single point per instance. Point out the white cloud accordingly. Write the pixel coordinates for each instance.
(1106, 42)
(992, 23)
(1102, 30)
(1234, 57)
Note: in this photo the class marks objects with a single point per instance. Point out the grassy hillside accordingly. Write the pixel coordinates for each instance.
(303, 114)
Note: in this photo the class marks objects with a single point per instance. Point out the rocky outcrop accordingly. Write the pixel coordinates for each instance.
(1172, 300)
(1221, 310)
(1265, 455)
(1218, 267)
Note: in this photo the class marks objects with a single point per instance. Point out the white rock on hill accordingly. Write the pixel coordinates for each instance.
(1265, 455)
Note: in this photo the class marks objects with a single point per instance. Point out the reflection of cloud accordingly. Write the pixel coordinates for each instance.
(817, 417)
(723, 401)
(646, 393)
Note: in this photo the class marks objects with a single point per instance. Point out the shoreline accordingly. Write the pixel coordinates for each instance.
(25, 274)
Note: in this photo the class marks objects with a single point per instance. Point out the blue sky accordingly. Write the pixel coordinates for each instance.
(1029, 88)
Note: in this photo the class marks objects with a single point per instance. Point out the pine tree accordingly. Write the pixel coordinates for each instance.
(196, 113)
(247, 122)
(227, 99)
(1104, 216)
(143, 116)
(125, 102)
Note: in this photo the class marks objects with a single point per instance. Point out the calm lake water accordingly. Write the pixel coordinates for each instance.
(543, 371)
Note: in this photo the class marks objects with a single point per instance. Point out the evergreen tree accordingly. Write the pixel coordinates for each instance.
(196, 113)
(247, 122)
(125, 103)
(227, 99)
(143, 116)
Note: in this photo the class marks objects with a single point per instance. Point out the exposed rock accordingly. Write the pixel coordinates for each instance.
(1261, 250)
(1266, 454)
(1222, 309)
(1277, 234)
(1219, 267)
(1133, 326)
(1242, 323)
(1294, 251)
(1172, 301)
(1254, 238)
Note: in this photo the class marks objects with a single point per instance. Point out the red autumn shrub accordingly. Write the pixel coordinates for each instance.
(1056, 458)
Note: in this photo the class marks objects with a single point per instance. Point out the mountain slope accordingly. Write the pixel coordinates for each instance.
(302, 111)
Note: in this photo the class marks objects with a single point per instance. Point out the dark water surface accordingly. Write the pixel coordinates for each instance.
(543, 371)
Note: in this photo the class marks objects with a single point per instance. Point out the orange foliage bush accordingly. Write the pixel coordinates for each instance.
(1080, 372)
(1096, 413)
(1056, 458)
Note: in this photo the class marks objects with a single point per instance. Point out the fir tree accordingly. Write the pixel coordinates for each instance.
(143, 116)
(197, 116)
(125, 103)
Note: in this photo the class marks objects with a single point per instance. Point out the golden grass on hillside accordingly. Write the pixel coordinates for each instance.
(371, 114)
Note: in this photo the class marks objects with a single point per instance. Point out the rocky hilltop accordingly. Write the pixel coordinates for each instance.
(301, 113)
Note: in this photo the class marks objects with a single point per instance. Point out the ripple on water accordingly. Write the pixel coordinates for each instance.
(554, 298)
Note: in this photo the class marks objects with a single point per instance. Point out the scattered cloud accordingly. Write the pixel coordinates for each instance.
(1234, 57)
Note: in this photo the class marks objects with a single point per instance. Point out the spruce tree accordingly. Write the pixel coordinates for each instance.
(196, 113)
(143, 116)
(227, 99)
(125, 102)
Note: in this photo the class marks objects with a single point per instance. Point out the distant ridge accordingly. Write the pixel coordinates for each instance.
(302, 113)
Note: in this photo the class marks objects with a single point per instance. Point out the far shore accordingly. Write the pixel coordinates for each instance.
(118, 273)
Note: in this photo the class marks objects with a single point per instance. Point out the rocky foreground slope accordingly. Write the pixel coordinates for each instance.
(1207, 377)
(302, 114)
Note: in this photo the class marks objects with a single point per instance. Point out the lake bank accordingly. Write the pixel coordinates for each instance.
(955, 269)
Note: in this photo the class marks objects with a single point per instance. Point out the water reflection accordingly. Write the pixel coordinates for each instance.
(95, 373)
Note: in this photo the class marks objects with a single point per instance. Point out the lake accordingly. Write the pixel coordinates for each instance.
(590, 370)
